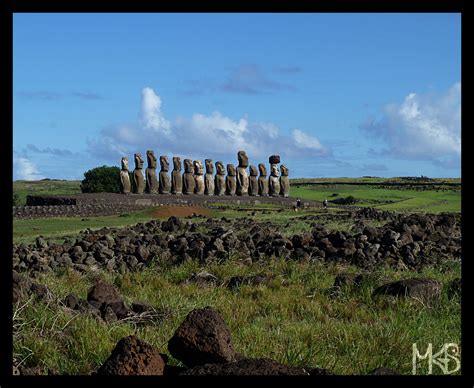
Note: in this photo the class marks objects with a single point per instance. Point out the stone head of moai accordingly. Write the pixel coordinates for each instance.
(231, 170)
(209, 166)
(125, 163)
(165, 165)
(284, 170)
(138, 161)
(275, 172)
(176, 163)
(220, 169)
(243, 159)
(253, 171)
(263, 169)
(188, 166)
(151, 158)
(198, 167)
(274, 159)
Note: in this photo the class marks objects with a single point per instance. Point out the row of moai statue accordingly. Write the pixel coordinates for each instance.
(195, 181)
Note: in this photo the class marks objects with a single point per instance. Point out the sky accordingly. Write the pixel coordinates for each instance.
(333, 94)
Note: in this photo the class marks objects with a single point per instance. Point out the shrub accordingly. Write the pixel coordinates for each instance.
(350, 200)
(101, 179)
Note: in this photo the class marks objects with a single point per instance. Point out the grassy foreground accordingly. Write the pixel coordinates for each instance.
(294, 319)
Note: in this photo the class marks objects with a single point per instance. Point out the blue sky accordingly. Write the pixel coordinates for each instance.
(333, 94)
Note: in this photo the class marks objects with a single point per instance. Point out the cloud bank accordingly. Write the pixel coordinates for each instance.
(422, 127)
(200, 136)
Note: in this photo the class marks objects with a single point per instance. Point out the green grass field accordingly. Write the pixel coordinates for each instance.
(429, 201)
(293, 319)
(28, 230)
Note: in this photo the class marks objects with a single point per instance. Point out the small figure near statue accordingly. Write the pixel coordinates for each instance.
(325, 203)
(297, 205)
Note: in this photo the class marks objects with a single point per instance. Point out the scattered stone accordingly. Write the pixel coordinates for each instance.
(72, 301)
(103, 295)
(252, 280)
(203, 337)
(424, 289)
(41, 243)
(42, 292)
(203, 279)
(132, 356)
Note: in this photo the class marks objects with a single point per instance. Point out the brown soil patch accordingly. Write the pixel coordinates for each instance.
(180, 211)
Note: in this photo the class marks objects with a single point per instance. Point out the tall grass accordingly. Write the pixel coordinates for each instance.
(293, 319)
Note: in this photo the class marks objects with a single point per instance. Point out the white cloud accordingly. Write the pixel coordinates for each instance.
(25, 169)
(302, 140)
(151, 115)
(202, 136)
(421, 127)
(270, 129)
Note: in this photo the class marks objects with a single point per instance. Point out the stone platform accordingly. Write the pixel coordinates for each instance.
(158, 199)
(101, 204)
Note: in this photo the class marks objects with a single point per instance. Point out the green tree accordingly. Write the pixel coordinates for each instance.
(103, 179)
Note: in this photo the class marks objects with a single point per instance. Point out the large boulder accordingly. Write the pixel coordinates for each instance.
(21, 286)
(202, 338)
(424, 289)
(132, 356)
(103, 295)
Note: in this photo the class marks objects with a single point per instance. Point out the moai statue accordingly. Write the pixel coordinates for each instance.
(176, 180)
(274, 181)
(188, 177)
(230, 180)
(242, 176)
(151, 181)
(219, 179)
(253, 182)
(209, 178)
(165, 181)
(262, 181)
(284, 181)
(198, 177)
(125, 185)
(138, 174)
